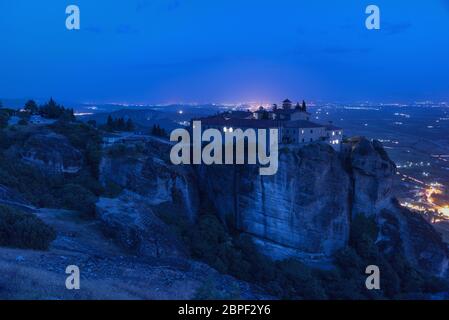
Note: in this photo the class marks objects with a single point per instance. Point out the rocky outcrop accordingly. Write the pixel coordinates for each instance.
(372, 173)
(131, 222)
(302, 211)
(50, 152)
(400, 230)
(151, 175)
(404, 232)
(306, 209)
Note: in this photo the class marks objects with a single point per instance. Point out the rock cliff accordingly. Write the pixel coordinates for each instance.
(151, 175)
(131, 221)
(304, 211)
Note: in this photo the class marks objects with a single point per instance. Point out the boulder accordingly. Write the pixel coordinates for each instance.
(131, 222)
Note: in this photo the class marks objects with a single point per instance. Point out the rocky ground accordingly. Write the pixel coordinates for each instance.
(107, 270)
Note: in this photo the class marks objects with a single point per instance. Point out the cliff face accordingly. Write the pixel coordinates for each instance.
(303, 211)
(401, 230)
(306, 209)
(151, 175)
(372, 173)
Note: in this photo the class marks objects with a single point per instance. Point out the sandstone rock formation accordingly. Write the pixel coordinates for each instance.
(131, 221)
(304, 211)
(153, 176)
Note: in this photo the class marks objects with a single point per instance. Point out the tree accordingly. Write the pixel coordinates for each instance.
(31, 107)
(129, 125)
(121, 124)
(158, 131)
(110, 123)
(76, 197)
(4, 118)
(52, 110)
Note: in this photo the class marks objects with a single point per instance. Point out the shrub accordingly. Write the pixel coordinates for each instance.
(238, 256)
(363, 235)
(80, 135)
(208, 291)
(4, 118)
(299, 281)
(53, 191)
(112, 189)
(75, 197)
(24, 230)
(118, 150)
(210, 242)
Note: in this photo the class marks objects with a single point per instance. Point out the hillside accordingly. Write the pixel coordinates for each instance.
(139, 227)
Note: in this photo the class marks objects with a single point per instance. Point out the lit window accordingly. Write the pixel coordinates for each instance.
(333, 133)
(302, 131)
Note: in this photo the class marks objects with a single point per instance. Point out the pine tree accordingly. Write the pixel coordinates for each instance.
(304, 107)
(110, 123)
(31, 107)
(129, 125)
(121, 125)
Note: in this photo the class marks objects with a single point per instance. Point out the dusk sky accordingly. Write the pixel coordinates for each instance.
(167, 51)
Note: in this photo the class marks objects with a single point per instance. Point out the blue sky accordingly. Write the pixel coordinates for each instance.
(162, 51)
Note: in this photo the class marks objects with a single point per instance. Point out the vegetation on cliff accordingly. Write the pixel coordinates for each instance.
(23, 230)
(231, 252)
(70, 190)
(211, 238)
